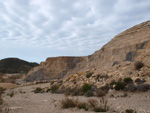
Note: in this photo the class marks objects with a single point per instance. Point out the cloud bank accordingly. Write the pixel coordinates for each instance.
(36, 29)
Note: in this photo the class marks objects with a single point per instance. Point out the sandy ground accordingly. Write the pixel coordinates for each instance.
(8, 85)
(29, 102)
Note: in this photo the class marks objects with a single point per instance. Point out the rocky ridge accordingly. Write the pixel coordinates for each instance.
(115, 59)
(15, 65)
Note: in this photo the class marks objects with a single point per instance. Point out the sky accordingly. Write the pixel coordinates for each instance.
(36, 29)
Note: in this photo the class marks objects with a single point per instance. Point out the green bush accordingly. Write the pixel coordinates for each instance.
(88, 75)
(139, 81)
(11, 94)
(112, 83)
(128, 80)
(138, 65)
(130, 111)
(120, 86)
(54, 88)
(86, 87)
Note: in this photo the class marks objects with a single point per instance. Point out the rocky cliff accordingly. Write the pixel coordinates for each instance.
(56, 67)
(129, 46)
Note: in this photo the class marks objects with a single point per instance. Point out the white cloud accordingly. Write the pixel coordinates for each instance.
(45, 28)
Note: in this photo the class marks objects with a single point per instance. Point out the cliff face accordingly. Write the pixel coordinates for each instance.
(130, 45)
(56, 67)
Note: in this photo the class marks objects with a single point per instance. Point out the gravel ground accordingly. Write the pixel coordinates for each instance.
(26, 101)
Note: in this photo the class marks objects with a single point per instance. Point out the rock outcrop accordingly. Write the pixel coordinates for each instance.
(124, 49)
(56, 67)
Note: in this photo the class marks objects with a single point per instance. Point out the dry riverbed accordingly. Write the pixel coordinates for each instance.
(24, 100)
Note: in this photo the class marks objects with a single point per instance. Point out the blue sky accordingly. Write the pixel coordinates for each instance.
(36, 29)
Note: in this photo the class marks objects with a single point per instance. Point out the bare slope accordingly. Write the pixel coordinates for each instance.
(130, 45)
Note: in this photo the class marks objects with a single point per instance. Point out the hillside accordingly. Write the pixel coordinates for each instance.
(127, 47)
(15, 65)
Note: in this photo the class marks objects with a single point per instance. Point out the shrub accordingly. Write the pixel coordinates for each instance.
(128, 80)
(98, 107)
(76, 91)
(120, 86)
(130, 111)
(138, 65)
(105, 88)
(88, 75)
(68, 103)
(112, 83)
(86, 87)
(139, 81)
(89, 93)
(11, 94)
(100, 93)
(38, 90)
(82, 105)
(92, 102)
(54, 88)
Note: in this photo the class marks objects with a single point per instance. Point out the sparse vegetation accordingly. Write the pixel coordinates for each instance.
(38, 90)
(11, 94)
(105, 88)
(98, 107)
(128, 80)
(88, 75)
(1, 101)
(52, 82)
(69, 103)
(130, 111)
(82, 105)
(120, 85)
(54, 88)
(138, 80)
(138, 65)
(86, 87)
(112, 84)
(91, 104)
(100, 93)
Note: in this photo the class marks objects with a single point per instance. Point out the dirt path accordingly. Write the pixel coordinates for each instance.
(26, 101)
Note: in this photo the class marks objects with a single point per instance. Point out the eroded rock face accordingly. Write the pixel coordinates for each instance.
(131, 45)
(56, 67)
